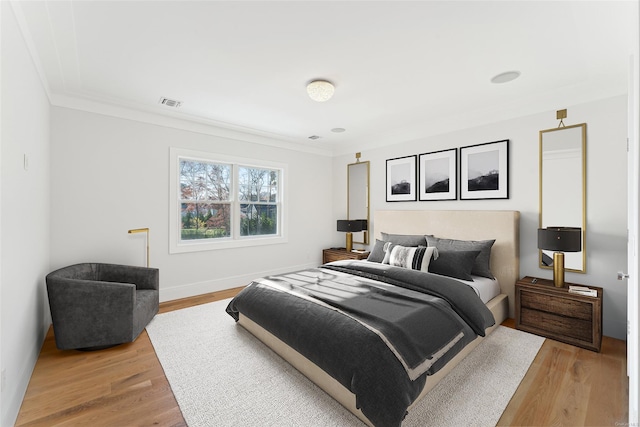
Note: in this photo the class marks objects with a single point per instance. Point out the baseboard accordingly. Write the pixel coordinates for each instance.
(199, 288)
(11, 408)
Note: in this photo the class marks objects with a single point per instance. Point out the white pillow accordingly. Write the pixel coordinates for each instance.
(416, 258)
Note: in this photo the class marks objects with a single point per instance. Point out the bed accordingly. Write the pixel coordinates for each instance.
(365, 383)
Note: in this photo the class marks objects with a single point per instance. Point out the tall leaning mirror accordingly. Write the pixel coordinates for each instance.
(563, 188)
(358, 196)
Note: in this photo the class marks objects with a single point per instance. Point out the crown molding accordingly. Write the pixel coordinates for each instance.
(183, 122)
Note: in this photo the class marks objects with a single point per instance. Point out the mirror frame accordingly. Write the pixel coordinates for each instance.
(359, 237)
(583, 127)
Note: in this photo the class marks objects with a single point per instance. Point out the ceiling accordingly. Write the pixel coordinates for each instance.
(401, 70)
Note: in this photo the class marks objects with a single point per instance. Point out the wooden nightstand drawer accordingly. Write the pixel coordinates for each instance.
(557, 325)
(329, 255)
(556, 313)
(555, 304)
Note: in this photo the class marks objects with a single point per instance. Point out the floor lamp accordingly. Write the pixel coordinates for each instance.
(142, 230)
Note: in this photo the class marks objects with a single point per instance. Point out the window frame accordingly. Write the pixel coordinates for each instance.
(177, 245)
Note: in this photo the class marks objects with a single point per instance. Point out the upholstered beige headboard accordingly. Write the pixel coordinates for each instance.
(503, 226)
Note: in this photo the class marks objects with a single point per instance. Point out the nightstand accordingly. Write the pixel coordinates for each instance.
(329, 255)
(556, 313)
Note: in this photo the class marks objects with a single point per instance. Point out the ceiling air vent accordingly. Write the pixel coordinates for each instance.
(170, 102)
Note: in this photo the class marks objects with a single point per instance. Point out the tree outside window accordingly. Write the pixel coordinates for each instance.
(258, 195)
(208, 208)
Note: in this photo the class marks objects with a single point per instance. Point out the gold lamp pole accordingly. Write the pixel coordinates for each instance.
(142, 230)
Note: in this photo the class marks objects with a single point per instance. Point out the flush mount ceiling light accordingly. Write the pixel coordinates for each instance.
(320, 90)
(505, 77)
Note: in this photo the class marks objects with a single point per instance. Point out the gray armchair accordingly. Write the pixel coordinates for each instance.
(95, 306)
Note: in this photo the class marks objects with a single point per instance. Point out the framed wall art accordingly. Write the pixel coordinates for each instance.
(438, 175)
(401, 179)
(484, 171)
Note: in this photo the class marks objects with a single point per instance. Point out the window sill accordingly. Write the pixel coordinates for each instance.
(196, 246)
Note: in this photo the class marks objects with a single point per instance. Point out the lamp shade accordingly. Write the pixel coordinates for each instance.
(352, 226)
(560, 239)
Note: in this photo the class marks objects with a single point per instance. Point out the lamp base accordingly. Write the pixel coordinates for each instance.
(349, 244)
(558, 269)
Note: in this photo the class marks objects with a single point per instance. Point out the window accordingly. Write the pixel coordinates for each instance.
(221, 202)
(258, 195)
(205, 203)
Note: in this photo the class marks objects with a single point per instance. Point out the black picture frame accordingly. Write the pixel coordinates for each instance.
(484, 171)
(438, 175)
(401, 179)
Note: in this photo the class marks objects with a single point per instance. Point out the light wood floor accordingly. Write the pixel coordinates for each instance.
(126, 386)
(571, 386)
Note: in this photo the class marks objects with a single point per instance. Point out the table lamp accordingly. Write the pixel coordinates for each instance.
(560, 240)
(351, 226)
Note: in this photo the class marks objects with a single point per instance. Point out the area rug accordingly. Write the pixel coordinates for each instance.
(223, 376)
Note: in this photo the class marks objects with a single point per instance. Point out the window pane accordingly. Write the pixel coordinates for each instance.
(205, 221)
(219, 181)
(256, 184)
(258, 220)
(204, 181)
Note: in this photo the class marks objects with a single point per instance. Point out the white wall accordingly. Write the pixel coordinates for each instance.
(93, 177)
(109, 175)
(606, 191)
(24, 225)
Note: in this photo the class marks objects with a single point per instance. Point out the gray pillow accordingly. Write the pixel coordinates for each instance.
(405, 239)
(456, 264)
(377, 253)
(482, 265)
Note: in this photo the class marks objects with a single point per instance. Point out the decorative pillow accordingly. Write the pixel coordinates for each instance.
(388, 246)
(405, 239)
(456, 264)
(482, 265)
(415, 258)
(377, 253)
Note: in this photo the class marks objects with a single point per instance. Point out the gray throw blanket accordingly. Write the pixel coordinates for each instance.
(377, 330)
